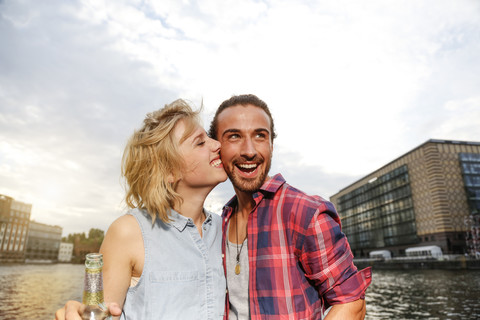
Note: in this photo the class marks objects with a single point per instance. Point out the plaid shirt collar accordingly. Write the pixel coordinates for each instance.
(269, 187)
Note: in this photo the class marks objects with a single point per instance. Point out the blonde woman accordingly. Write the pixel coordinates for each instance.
(162, 260)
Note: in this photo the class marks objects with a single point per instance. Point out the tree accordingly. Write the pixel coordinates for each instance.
(84, 244)
(96, 234)
(71, 237)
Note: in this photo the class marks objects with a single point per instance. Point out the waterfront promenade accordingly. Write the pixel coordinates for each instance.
(446, 262)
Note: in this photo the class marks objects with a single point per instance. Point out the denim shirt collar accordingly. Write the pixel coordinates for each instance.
(181, 222)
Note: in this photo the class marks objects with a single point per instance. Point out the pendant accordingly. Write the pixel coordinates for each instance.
(237, 269)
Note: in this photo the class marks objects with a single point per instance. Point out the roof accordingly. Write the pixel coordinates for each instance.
(474, 143)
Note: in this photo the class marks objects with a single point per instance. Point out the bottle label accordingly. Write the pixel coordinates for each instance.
(93, 284)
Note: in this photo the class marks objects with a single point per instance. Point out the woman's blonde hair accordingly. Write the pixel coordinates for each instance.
(151, 162)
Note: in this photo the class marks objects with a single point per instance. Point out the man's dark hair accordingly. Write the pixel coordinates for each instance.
(243, 100)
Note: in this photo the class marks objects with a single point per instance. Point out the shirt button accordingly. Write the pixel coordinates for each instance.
(223, 256)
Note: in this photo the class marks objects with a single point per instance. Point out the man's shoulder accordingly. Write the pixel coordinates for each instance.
(299, 209)
(300, 206)
(303, 197)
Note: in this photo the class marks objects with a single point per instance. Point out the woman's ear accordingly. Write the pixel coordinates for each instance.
(172, 178)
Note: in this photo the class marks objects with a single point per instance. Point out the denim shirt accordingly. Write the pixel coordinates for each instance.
(183, 275)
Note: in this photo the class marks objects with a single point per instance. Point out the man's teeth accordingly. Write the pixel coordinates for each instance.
(216, 163)
(248, 166)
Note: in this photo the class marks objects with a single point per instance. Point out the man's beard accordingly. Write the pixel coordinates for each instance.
(250, 185)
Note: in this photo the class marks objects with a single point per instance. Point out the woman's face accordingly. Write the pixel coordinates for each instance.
(201, 155)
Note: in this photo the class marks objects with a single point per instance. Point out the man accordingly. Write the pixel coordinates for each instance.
(296, 261)
(285, 254)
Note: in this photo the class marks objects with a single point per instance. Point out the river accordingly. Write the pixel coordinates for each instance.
(37, 291)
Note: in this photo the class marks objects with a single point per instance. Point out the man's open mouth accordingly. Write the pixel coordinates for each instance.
(247, 167)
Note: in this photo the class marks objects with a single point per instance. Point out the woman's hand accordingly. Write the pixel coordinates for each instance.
(73, 310)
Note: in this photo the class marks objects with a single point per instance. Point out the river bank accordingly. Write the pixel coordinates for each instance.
(404, 263)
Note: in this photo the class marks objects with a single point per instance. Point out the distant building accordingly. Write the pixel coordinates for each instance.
(14, 224)
(65, 252)
(428, 197)
(43, 242)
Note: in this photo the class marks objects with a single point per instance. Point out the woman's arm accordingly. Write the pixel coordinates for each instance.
(123, 257)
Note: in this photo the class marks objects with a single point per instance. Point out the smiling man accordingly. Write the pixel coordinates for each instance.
(285, 254)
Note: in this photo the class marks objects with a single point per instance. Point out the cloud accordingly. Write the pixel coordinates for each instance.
(460, 119)
(352, 85)
(311, 179)
(68, 104)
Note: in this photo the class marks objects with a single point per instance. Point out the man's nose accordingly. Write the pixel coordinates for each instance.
(248, 148)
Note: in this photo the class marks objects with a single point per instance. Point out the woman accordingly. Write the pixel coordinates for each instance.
(162, 260)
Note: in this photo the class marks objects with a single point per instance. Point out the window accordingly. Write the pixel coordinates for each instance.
(384, 209)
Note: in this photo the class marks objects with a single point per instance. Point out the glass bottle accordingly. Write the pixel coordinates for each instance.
(95, 308)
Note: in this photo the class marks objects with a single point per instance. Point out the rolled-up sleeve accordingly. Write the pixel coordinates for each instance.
(328, 260)
(351, 289)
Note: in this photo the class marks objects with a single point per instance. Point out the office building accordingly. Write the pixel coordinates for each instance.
(430, 196)
(14, 224)
(43, 242)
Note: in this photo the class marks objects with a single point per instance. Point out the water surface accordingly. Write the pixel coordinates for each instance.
(29, 291)
(37, 291)
(424, 294)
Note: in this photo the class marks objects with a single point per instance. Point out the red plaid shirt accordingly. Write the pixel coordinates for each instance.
(300, 261)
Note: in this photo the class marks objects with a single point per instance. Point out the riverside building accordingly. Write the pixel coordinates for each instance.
(43, 243)
(14, 224)
(430, 196)
(65, 252)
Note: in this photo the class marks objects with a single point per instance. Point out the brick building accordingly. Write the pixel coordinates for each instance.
(14, 225)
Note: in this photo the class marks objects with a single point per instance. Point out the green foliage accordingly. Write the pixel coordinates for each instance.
(95, 236)
(71, 237)
(84, 244)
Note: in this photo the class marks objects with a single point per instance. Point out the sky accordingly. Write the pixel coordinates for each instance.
(352, 85)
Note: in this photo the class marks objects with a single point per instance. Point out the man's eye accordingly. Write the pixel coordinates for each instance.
(260, 135)
(234, 136)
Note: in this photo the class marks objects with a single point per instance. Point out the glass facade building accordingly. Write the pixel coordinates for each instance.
(43, 242)
(470, 163)
(430, 196)
(380, 213)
